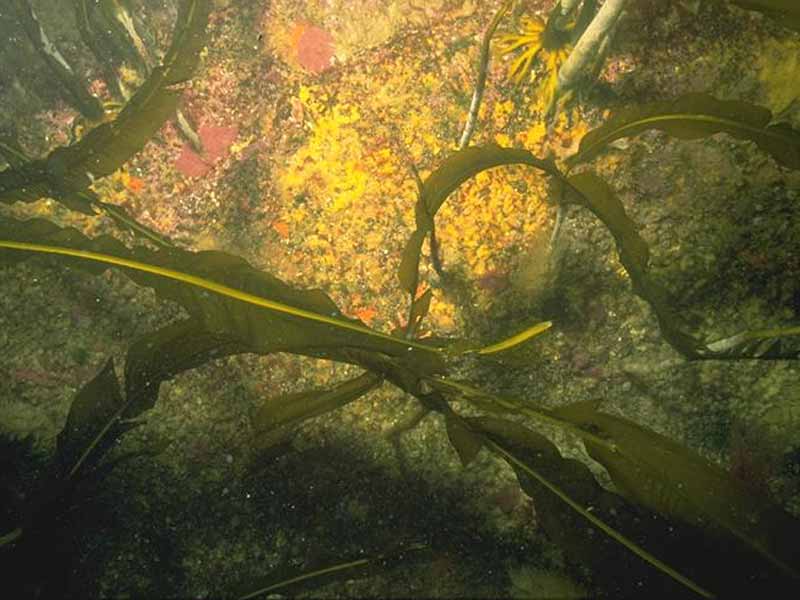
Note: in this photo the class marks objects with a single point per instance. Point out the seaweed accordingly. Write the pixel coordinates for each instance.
(670, 505)
(70, 84)
(67, 172)
(786, 12)
(100, 414)
(692, 561)
(695, 116)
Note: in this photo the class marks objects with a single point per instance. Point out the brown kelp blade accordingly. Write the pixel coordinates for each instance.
(223, 292)
(634, 254)
(670, 479)
(408, 272)
(696, 116)
(594, 526)
(775, 343)
(678, 559)
(162, 354)
(455, 170)
(93, 422)
(100, 414)
(276, 418)
(465, 442)
(502, 404)
(418, 311)
(785, 12)
(107, 147)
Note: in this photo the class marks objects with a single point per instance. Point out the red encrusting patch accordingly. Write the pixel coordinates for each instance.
(135, 184)
(314, 48)
(281, 228)
(216, 143)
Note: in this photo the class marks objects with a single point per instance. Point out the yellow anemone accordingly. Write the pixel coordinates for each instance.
(535, 41)
(530, 39)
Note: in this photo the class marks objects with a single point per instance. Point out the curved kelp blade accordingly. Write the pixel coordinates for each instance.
(593, 525)
(785, 12)
(298, 580)
(106, 148)
(466, 164)
(277, 417)
(160, 355)
(596, 195)
(455, 170)
(670, 479)
(696, 116)
(634, 254)
(222, 292)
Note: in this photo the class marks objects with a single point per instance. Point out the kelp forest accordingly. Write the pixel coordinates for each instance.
(400, 298)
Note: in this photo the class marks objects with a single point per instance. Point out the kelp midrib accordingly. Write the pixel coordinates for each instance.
(212, 286)
(602, 525)
(402, 345)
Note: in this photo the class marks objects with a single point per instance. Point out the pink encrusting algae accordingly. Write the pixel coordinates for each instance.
(216, 145)
(314, 48)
